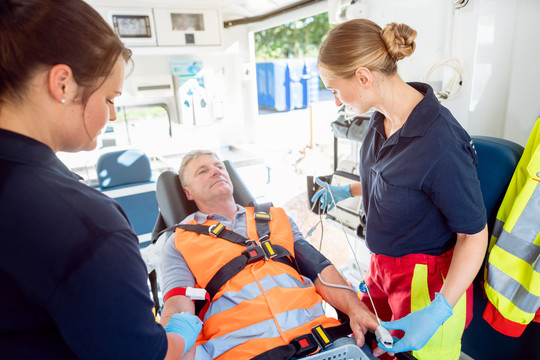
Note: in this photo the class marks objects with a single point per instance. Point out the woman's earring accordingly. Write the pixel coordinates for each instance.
(63, 101)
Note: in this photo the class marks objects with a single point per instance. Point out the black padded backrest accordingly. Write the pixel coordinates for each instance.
(174, 205)
(172, 201)
(241, 194)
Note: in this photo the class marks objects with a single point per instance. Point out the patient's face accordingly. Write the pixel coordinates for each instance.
(207, 179)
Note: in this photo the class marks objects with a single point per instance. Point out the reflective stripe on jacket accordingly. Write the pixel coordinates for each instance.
(264, 306)
(512, 276)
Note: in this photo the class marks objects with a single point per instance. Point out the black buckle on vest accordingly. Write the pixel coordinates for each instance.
(216, 229)
(261, 215)
(304, 345)
(254, 253)
(268, 249)
(321, 336)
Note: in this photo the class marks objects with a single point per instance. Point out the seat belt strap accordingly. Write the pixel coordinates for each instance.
(217, 230)
(262, 219)
(303, 345)
(237, 264)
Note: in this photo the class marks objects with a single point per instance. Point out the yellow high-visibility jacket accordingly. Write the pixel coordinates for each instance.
(512, 273)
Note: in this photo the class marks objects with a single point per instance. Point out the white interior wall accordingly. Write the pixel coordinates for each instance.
(523, 103)
(484, 35)
(431, 19)
(498, 44)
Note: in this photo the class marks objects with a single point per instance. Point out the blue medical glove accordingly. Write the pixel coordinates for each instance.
(419, 326)
(187, 325)
(338, 193)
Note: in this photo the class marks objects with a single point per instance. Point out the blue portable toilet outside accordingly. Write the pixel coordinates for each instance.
(284, 85)
(263, 85)
(271, 85)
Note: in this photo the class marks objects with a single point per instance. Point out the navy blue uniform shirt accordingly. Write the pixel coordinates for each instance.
(73, 284)
(419, 186)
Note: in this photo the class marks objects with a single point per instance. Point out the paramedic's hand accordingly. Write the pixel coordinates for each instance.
(419, 326)
(187, 325)
(332, 194)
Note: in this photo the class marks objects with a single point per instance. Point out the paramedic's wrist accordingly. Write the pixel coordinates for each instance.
(419, 326)
(186, 325)
(330, 194)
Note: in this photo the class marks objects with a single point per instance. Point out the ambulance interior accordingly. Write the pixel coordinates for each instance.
(200, 86)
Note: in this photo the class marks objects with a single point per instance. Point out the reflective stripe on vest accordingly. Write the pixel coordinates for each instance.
(265, 329)
(265, 305)
(513, 268)
(250, 291)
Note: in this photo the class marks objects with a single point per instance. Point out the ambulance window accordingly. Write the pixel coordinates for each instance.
(142, 127)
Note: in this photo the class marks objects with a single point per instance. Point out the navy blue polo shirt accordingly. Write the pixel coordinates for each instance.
(419, 186)
(72, 280)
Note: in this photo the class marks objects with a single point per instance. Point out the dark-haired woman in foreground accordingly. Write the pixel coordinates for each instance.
(73, 283)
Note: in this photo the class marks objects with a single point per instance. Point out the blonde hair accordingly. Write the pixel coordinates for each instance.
(187, 158)
(362, 43)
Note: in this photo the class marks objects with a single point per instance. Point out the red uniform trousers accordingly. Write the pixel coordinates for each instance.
(399, 286)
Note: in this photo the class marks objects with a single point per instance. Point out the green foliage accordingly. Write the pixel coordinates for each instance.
(134, 113)
(297, 39)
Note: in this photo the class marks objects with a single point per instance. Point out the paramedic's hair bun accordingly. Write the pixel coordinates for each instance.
(399, 40)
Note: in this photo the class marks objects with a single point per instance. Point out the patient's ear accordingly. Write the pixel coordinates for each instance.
(188, 194)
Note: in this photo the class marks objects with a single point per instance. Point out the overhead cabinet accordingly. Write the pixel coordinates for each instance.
(165, 26)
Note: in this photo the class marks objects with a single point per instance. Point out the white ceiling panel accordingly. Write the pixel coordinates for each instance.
(230, 9)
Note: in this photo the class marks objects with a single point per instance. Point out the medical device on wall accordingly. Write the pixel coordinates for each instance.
(451, 86)
(191, 95)
(343, 10)
(134, 26)
(193, 103)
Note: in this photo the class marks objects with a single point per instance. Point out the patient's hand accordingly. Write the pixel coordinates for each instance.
(361, 320)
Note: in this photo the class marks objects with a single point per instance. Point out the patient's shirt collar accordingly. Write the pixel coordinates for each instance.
(201, 217)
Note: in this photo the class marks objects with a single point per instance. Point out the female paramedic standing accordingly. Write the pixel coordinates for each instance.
(426, 220)
(73, 283)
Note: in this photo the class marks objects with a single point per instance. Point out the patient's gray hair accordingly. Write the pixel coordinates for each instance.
(187, 158)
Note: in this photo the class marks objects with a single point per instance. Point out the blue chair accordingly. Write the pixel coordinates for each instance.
(126, 176)
(497, 159)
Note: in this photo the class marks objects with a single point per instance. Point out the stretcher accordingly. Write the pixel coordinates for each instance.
(343, 349)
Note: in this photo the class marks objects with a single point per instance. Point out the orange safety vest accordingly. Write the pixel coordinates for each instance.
(268, 302)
